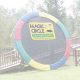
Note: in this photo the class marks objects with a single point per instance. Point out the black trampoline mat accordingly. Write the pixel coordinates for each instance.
(44, 51)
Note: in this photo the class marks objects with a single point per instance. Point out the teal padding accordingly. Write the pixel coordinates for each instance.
(65, 31)
(22, 52)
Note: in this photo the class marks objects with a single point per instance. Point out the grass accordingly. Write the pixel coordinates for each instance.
(69, 72)
(63, 73)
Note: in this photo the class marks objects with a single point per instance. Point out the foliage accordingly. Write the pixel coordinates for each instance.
(8, 20)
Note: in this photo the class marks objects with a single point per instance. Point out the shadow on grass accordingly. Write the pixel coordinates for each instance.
(17, 69)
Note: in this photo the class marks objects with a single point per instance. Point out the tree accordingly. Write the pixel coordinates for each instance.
(55, 8)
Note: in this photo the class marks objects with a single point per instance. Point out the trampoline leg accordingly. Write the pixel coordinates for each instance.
(75, 55)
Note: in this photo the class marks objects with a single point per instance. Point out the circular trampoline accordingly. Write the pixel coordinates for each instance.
(42, 41)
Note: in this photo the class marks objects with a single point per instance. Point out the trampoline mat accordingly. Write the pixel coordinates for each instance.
(44, 51)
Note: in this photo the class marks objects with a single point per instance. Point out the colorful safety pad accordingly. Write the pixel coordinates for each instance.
(27, 59)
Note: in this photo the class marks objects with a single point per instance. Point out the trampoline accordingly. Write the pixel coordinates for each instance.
(42, 41)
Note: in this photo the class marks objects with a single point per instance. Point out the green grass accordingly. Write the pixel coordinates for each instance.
(64, 73)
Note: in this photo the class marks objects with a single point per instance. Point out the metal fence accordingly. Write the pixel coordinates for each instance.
(76, 53)
(9, 59)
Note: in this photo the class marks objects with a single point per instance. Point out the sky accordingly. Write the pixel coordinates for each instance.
(17, 4)
(10, 4)
(69, 5)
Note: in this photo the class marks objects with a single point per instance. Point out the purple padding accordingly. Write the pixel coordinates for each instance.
(19, 27)
(59, 63)
(29, 16)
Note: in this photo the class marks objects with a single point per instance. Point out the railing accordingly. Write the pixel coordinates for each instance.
(9, 59)
(76, 54)
(76, 40)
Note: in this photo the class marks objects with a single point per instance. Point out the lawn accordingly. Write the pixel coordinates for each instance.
(63, 73)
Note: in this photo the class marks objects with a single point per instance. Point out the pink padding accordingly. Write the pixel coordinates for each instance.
(68, 47)
(19, 27)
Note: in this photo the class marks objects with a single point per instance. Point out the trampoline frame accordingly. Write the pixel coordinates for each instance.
(24, 55)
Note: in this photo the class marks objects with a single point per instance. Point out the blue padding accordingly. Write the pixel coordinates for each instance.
(66, 33)
(58, 64)
(30, 15)
(22, 52)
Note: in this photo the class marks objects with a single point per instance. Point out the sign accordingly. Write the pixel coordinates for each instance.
(42, 30)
